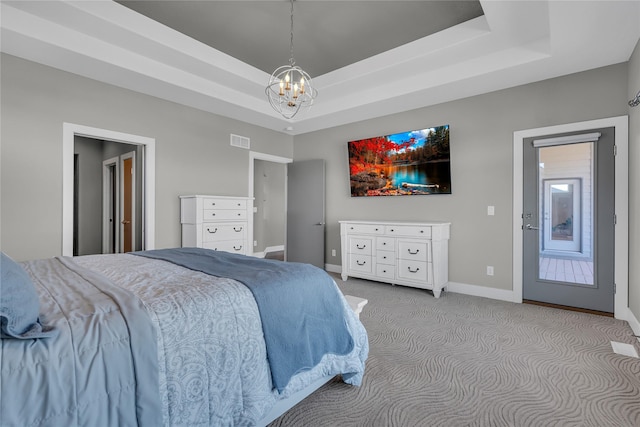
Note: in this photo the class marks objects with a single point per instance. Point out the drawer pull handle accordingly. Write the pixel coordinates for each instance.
(237, 249)
(391, 230)
(239, 214)
(384, 271)
(363, 262)
(237, 230)
(358, 246)
(376, 229)
(384, 257)
(413, 253)
(213, 214)
(422, 231)
(215, 230)
(384, 243)
(413, 271)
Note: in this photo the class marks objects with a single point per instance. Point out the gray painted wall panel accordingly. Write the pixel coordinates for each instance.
(481, 140)
(634, 184)
(193, 155)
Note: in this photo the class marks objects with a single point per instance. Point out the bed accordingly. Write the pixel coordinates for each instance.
(140, 339)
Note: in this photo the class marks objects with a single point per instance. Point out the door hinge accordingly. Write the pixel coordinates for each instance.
(614, 288)
(615, 219)
(615, 150)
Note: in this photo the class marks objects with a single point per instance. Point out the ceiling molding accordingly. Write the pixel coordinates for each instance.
(514, 43)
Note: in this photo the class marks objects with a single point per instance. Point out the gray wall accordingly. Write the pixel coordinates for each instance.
(634, 184)
(481, 142)
(193, 155)
(269, 193)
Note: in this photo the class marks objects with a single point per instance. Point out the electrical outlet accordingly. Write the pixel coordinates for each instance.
(489, 270)
(255, 243)
(333, 252)
(491, 210)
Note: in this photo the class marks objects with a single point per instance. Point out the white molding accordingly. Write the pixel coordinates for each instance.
(621, 125)
(69, 132)
(480, 291)
(632, 320)
(333, 268)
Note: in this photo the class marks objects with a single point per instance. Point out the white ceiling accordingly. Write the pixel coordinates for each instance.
(513, 43)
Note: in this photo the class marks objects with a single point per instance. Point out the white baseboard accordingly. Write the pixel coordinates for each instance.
(267, 250)
(480, 291)
(632, 321)
(333, 268)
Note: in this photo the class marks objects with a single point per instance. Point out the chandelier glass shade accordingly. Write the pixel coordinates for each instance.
(290, 89)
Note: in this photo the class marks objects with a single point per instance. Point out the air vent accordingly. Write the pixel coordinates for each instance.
(240, 141)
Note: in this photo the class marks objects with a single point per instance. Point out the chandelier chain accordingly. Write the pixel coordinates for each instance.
(291, 60)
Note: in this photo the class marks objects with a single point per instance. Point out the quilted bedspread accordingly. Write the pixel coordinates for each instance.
(212, 360)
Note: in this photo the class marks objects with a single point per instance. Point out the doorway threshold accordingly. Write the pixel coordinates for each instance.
(565, 307)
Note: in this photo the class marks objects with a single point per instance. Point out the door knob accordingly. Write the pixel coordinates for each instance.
(531, 227)
(125, 222)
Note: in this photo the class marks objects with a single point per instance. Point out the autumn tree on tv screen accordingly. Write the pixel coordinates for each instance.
(408, 163)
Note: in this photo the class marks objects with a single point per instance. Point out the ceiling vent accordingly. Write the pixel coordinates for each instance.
(240, 141)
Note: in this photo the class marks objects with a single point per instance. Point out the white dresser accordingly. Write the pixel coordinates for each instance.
(401, 253)
(220, 223)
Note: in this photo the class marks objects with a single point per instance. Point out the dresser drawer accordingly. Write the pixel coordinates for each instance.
(224, 231)
(385, 257)
(235, 246)
(365, 228)
(385, 244)
(386, 271)
(414, 250)
(224, 214)
(360, 245)
(415, 270)
(409, 231)
(224, 204)
(360, 263)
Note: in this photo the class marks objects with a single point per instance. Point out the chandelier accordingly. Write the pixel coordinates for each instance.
(290, 89)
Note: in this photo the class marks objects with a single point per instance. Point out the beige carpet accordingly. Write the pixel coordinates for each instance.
(469, 361)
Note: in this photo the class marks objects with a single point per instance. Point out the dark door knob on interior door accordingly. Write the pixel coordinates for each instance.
(125, 222)
(319, 223)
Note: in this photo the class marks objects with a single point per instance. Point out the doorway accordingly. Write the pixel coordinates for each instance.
(268, 187)
(568, 232)
(146, 194)
(619, 203)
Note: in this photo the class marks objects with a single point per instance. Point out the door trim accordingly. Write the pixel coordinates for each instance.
(130, 155)
(107, 197)
(69, 132)
(621, 125)
(253, 156)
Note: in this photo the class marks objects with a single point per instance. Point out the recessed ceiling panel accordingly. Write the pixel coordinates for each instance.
(328, 35)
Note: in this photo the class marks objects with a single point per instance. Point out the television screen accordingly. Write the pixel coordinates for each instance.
(403, 164)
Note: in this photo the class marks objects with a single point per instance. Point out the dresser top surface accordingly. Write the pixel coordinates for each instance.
(215, 197)
(428, 223)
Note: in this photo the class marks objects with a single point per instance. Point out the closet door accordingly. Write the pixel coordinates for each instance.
(305, 212)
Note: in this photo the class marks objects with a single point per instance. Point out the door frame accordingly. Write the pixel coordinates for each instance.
(69, 132)
(253, 156)
(107, 197)
(621, 262)
(130, 155)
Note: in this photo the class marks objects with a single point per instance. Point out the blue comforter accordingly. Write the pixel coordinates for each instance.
(297, 333)
(101, 369)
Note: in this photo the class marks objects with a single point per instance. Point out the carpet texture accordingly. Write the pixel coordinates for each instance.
(468, 361)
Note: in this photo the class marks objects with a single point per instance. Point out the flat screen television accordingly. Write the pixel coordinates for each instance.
(409, 163)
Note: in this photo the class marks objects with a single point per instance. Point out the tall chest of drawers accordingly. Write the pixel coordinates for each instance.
(220, 223)
(401, 253)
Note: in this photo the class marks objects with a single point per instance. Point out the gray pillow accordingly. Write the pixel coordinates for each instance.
(19, 304)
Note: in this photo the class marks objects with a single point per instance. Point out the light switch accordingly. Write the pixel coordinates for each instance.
(491, 210)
